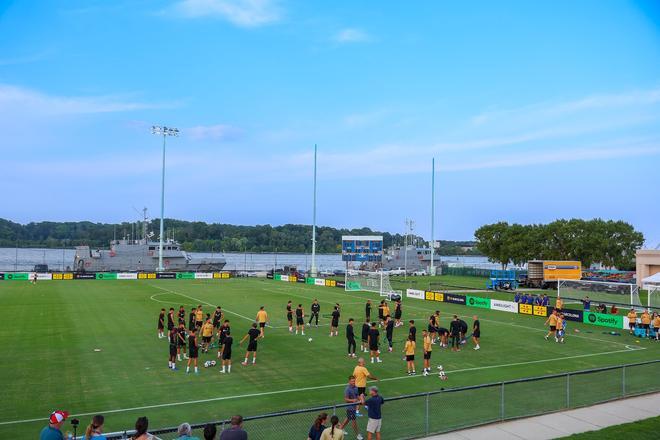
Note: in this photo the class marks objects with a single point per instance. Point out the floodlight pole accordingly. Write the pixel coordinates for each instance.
(313, 267)
(162, 131)
(432, 268)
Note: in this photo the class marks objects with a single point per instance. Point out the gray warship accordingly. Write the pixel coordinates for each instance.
(417, 258)
(141, 255)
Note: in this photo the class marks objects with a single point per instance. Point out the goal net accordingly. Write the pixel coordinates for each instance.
(653, 299)
(362, 280)
(622, 294)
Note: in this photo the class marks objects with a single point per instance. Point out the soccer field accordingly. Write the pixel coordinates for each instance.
(51, 329)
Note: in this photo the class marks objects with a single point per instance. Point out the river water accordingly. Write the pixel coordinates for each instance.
(24, 259)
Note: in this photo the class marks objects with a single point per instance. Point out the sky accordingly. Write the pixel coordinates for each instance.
(533, 111)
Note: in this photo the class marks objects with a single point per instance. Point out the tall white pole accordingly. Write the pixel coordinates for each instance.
(313, 268)
(432, 268)
(162, 209)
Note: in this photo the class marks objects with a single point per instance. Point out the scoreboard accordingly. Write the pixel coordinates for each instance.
(362, 248)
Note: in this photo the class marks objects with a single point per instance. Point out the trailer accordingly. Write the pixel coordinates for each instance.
(544, 274)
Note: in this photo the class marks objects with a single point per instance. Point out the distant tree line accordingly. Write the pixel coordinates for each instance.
(611, 243)
(200, 236)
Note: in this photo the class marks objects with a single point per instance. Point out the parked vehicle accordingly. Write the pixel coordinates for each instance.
(545, 273)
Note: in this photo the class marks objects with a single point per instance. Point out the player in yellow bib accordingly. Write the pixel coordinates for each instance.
(262, 319)
(552, 321)
(409, 350)
(428, 348)
(207, 335)
(632, 320)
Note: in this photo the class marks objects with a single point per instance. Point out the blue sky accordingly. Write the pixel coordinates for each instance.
(533, 110)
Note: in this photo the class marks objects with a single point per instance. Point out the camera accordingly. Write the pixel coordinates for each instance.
(75, 422)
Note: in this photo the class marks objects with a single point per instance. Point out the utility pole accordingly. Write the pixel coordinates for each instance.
(313, 268)
(432, 268)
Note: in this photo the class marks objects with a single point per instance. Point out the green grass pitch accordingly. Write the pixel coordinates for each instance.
(49, 332)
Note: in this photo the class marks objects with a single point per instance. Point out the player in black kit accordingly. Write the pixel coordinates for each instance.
(350, 337)
(367, 310)
(316, 309)
(289, 316)
(226, 352)
(170, 319)
(397, 313)
(254, 333)
(161, 324)
(182, 315)
(335, 321)
(365, 336)
(389, 332)
(191, 319)
(374, 334)
(171, 336)
(300, 319)
(222, 335)
(193, 351)
(217, 317)
(412, 330)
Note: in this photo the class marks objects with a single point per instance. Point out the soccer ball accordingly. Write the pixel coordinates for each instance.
(209, 364)
(441, 373)
(309, 340)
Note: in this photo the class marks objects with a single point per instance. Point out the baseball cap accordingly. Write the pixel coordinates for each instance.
(58, 416)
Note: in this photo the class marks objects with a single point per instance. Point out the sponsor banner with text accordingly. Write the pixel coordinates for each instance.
(439, 296)
(17, 276)
(147, 276)
(429, 295)
(540, 311)
(203, 275)
(270, 276)
(504, 306)
(454, 299)
(341, 284)
(614, 321)
(106, 276)
(84, 276)
(414, 293)
(42, 276)
(127, 276)
(284, 277)
(166, 275)
(476, 301)
(301, 280)
(330, 283)
(319, 281)
(63, 276)
(293, 279)
(570, 314)
(525, 309)
(2, 276)
(185, 276)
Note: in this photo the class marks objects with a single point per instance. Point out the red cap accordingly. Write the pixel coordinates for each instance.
(58, 416)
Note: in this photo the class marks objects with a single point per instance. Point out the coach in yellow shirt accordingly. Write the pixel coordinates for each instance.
(361, 375)
(262, 319)
(632, 320)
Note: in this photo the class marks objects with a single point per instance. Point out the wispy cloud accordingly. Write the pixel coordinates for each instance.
(14, 99)
(351, 35)
(217, 132)
(243, 13)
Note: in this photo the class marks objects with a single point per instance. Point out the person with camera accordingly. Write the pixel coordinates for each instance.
(95, 429)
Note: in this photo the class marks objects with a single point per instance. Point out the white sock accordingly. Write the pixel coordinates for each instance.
(229, 368)
(223, 369)
(196, 371)
(303, 333)
(246, 359)
(378, 359)
(187, 369)
(254, 360)
(372, 360)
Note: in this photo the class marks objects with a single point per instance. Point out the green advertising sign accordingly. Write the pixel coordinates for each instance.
(310, 280)
(18, 276)
(106, 276)
(353, 285)
(602, 319)
(185, 276)
(278, 277)
(476, 301)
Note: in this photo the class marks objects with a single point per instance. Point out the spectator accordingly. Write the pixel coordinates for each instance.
(53, 430)
(656, 325)
(373, 405)
(141, 427)
(334, 432)
(235, 431)
(95, 429)
(318, 427)
(352, 395)
(185, 432)
(210, 431)
(586, 302)
(614, 310)
(546, 300)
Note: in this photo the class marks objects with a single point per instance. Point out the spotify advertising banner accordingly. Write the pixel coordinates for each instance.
(604, 320)
(475, 301)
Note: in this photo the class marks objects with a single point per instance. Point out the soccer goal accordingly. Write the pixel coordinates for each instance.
(378, 282)
(653, 298)
(599, 292)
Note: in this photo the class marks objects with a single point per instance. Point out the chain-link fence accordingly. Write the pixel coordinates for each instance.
(419, 415)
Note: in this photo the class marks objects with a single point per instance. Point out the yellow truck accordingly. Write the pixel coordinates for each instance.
(545, 273)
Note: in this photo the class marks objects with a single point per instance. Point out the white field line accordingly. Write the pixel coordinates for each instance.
(199, 301)
(572, 335)
(320, 387)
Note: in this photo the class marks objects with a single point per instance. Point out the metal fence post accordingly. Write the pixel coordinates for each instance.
(334, 410)
(568, 390)
(426, 421)
(623, 381)
(502, 401)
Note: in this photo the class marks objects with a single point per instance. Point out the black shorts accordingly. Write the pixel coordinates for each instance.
(361, 391)
(410, 357)
(427, 355)
(335, 323)
(442, 331)
(161, 326)
(373, 347)
(397, 315)
(631, 325)
(226, 356)
(646, 326)
(477, 333)
(193, 354)
(170, 325)
(206, 339)
(172, 350)
(289, 317)
(262, 324)
(300, 321)
(553, 328)
(432, 329)
(252, 346)
(199, 323)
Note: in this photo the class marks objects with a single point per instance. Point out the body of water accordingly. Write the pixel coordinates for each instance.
(24, 259)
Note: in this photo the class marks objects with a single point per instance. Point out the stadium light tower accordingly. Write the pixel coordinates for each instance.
(165, 132)
(313, 268)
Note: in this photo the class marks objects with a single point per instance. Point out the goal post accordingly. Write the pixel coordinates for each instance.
(622, 294)
(653, 295)
(369, 281)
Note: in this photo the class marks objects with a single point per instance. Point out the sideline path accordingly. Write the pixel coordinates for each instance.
(564, 423)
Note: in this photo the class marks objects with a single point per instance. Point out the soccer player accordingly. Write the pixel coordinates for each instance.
(552, 320)
(412, 330)
(428, 348)
(433, 327)
(181, 342)
(455, 333)
(559, 304)
(476, 332)
(161, 324)
(262, 319)
(409, 350)
(172, 337)
(334, 324)
(181, 314)
(367, 311)
(386, 311)
(561, 328)
(207, 335)
(656, 325)
(34, 278)
(199, 317)
(389, 332)
(300, 319)
(316, 309)
(253, 334)
(381, 313)
(464, 329)
(361, 375)
(397, 313)
(170, 319)
(350, 338)
(374, 334)
(226, 352)
(586, 303)
(365, 336)
(646, 322)
(352, 395)
(443, 336)
(191, 319)
(289, 316)
(632, 320)
(222, 336)
(217, 317)
(193, 351)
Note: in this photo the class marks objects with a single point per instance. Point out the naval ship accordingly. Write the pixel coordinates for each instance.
(142, 255)
(417, 258)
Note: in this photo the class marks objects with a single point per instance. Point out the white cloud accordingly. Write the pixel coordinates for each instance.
(244, 13)
(351, 35)
(218, 132)
(15, 100)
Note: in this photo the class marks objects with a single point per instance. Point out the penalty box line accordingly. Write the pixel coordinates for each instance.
(320, 387)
